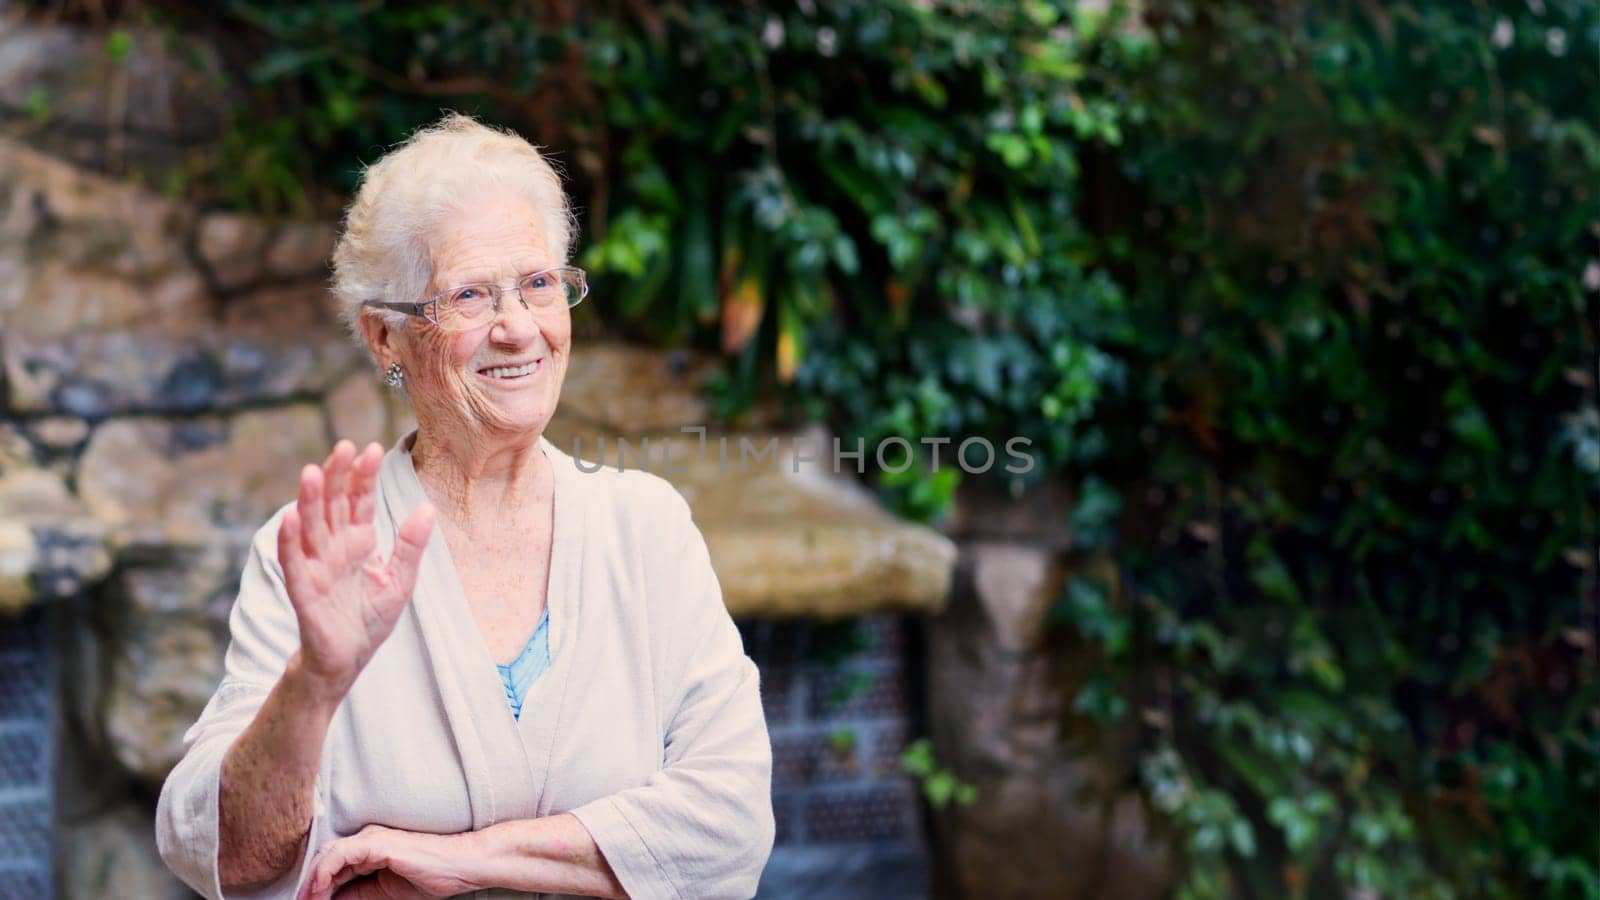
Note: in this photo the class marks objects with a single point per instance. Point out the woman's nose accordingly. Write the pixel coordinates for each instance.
(515, 321)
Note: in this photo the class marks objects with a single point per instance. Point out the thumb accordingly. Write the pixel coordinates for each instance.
(409, 544)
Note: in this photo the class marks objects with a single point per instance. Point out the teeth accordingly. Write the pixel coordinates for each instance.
(511, 371)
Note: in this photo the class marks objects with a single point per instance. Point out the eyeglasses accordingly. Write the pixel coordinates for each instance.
(472, 305)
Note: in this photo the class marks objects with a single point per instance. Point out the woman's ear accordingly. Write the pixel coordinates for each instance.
(380, 337)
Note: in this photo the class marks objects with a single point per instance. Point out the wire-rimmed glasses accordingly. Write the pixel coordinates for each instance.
(472, 305)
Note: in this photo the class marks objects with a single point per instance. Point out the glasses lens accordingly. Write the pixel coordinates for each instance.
(577, 282)
(467, 307)
(557, 286)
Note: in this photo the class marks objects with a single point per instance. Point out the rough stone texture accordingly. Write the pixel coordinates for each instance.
(617, 389)
(624, 390)
(50, 546)
(135, 115)
(1058, 812)
(105, 845)
(156, 482)
(1037, 516)
(61, 298)
(166, 629)
(110, 307)
(787, 536)
(231, 248)
(114, 855)
(358, 410)
(70, 226)
(99, 375)
(108, 310)
(58, 435)
(301, 251)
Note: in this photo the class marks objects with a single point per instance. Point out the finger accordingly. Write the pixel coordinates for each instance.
(289, 551)
(331, 861)
(363, 494)
(308, 890)
(338, 500)
(314, 523)
(409, 543)
(318, 885)
(290, 554)
(359, 857)
(340, 878)
(354, 870)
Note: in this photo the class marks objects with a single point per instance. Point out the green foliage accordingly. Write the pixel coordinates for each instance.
(1360, 427)
(939, 785)
(37, 105)
(868, 204)
(118, 43)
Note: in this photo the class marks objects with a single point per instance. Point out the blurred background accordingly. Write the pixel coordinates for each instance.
(1294, 302)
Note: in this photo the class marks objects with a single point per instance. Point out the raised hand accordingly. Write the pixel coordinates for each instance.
(345, 597)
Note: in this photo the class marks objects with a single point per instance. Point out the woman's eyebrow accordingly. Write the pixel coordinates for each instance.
(480, 276)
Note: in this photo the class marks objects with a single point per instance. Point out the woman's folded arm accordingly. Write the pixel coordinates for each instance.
(702, 826)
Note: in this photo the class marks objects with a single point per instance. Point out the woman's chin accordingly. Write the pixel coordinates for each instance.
(518, 420)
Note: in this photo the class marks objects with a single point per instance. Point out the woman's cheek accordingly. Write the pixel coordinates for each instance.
(451, 389)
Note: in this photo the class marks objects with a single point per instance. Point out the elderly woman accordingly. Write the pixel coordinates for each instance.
(466, 665)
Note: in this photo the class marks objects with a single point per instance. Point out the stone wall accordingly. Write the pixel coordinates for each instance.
(166, 373)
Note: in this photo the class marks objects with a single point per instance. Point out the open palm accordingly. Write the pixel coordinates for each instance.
(345, 596)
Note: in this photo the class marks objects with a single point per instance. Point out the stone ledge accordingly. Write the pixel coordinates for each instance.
(786, 538)
(828, 570)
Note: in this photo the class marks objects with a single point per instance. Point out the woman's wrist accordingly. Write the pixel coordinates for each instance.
(316, 692)
(483, 857)
(552, 854)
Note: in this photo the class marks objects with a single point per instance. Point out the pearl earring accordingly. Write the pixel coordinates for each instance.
(395, 376)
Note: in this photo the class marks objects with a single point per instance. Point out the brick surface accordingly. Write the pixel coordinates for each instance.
(836, 697)
(26, 752)
(876, 814)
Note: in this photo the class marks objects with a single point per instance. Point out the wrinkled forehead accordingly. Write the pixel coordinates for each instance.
(495, 238)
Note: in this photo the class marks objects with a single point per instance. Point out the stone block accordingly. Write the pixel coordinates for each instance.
(156, 482)
(95, 376)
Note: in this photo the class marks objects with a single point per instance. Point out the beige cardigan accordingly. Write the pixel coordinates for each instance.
(648, 725)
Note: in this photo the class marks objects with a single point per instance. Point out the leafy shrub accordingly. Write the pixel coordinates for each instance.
(1357, 460)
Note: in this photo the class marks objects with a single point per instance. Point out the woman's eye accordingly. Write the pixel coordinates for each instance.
(539, 281)
(466, 295)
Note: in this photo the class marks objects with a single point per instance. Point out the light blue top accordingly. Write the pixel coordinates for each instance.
(532, 662)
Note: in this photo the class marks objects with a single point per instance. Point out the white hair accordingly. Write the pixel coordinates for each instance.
(382, 253)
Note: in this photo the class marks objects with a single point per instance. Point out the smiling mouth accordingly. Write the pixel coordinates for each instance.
(512, 373)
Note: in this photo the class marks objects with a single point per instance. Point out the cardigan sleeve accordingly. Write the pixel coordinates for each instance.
(701, 826)
(263, 635)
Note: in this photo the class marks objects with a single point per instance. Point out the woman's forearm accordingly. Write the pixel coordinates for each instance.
(268, 776)
(553, 855)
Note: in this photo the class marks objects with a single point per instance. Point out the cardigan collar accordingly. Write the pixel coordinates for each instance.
(499, 786)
